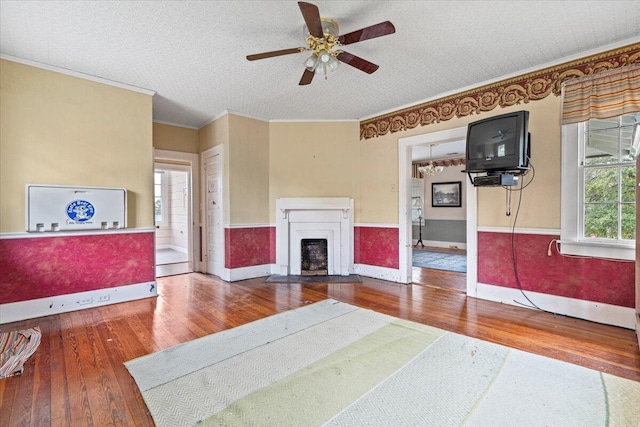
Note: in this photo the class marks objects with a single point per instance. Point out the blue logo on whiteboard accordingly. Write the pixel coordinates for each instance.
(80, 211)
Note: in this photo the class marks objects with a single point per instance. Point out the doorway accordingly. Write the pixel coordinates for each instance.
(405, 146)
(438, 216)
(175, 248)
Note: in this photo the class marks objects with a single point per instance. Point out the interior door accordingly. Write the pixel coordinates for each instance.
(215, 238)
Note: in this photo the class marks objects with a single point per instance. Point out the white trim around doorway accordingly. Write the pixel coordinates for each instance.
(404, 205)
(190, 161)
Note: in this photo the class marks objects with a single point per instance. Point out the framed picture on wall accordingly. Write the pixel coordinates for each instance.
(446, 194)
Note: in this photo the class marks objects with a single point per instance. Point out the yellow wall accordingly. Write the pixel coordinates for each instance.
(378, 181)
(314, 159)
(215, 133)
(212, 135)
(62, 130)
(540, 206)
(266, 160)
(248, 170)
(175, 138)
(47, 116)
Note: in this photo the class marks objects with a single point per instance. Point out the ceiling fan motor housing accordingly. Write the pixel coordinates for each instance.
(329, 27)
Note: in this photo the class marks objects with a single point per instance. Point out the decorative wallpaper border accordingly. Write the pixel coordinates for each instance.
(522, 89)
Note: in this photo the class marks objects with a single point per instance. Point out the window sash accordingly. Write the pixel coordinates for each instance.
(617, 164)
(159, 196)
(572, 237)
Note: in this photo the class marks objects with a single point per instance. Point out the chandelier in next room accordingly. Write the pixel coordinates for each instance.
(430, 169)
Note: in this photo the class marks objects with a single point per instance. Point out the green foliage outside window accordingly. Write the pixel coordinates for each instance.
(609, 179)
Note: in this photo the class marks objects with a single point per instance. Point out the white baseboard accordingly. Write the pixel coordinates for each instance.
(21, 310)
(587, 310)
(383, 273)
(244, 273)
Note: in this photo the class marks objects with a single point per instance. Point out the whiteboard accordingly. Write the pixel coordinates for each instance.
(64, 208)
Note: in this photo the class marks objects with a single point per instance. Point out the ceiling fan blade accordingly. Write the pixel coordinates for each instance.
(357, 62)
(371, 32)
(307, 76)
(311, 16)
(275, 53)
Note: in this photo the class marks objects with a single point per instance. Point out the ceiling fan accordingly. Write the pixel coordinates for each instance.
(325, 43)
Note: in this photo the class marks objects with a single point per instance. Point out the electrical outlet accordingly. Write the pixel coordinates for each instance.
(85, 301)
(103, 298)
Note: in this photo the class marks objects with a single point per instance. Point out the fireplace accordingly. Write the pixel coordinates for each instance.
(314, 259)
(312, 219)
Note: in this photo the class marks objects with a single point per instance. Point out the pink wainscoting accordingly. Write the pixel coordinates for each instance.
(246, 247)
(589, 279)
(376, 246)
(272, 245)
(39, 267)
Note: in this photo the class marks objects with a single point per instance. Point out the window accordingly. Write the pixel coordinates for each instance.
(598, 188)
(158, 199)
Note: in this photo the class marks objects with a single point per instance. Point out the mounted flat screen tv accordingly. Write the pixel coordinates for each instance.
(499, 143)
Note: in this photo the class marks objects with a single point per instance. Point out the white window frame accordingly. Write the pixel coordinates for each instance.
(163, 197)
(572, 193)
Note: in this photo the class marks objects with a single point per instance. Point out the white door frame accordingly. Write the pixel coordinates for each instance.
(404, 204)
(190, 161)
(218, 150)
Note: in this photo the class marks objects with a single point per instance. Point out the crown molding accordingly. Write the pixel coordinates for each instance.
(77, 74)
(175, 124)
(524, 88)
(315, 121)
(231, 113)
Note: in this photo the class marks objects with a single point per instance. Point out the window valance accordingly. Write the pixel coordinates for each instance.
(603, 95)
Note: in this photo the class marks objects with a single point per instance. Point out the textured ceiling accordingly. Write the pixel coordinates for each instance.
(192, 54)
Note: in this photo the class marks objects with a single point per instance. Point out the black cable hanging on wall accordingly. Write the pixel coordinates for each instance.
(514, 262)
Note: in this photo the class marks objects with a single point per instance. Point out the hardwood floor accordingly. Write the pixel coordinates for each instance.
(446, 280)
(440, 278)
(77, 376)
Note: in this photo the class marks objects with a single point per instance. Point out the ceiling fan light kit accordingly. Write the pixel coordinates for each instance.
(323, 39)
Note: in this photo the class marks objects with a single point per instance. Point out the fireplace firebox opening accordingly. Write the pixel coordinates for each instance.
(314, 257)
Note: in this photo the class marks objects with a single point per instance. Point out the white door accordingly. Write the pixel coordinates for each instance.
(213, 212)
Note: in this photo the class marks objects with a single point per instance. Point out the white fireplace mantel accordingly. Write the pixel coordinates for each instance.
(328, 218)
(315, 204)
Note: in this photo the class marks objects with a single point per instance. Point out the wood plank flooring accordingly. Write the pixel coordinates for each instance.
(440, 278)
(77, 377)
